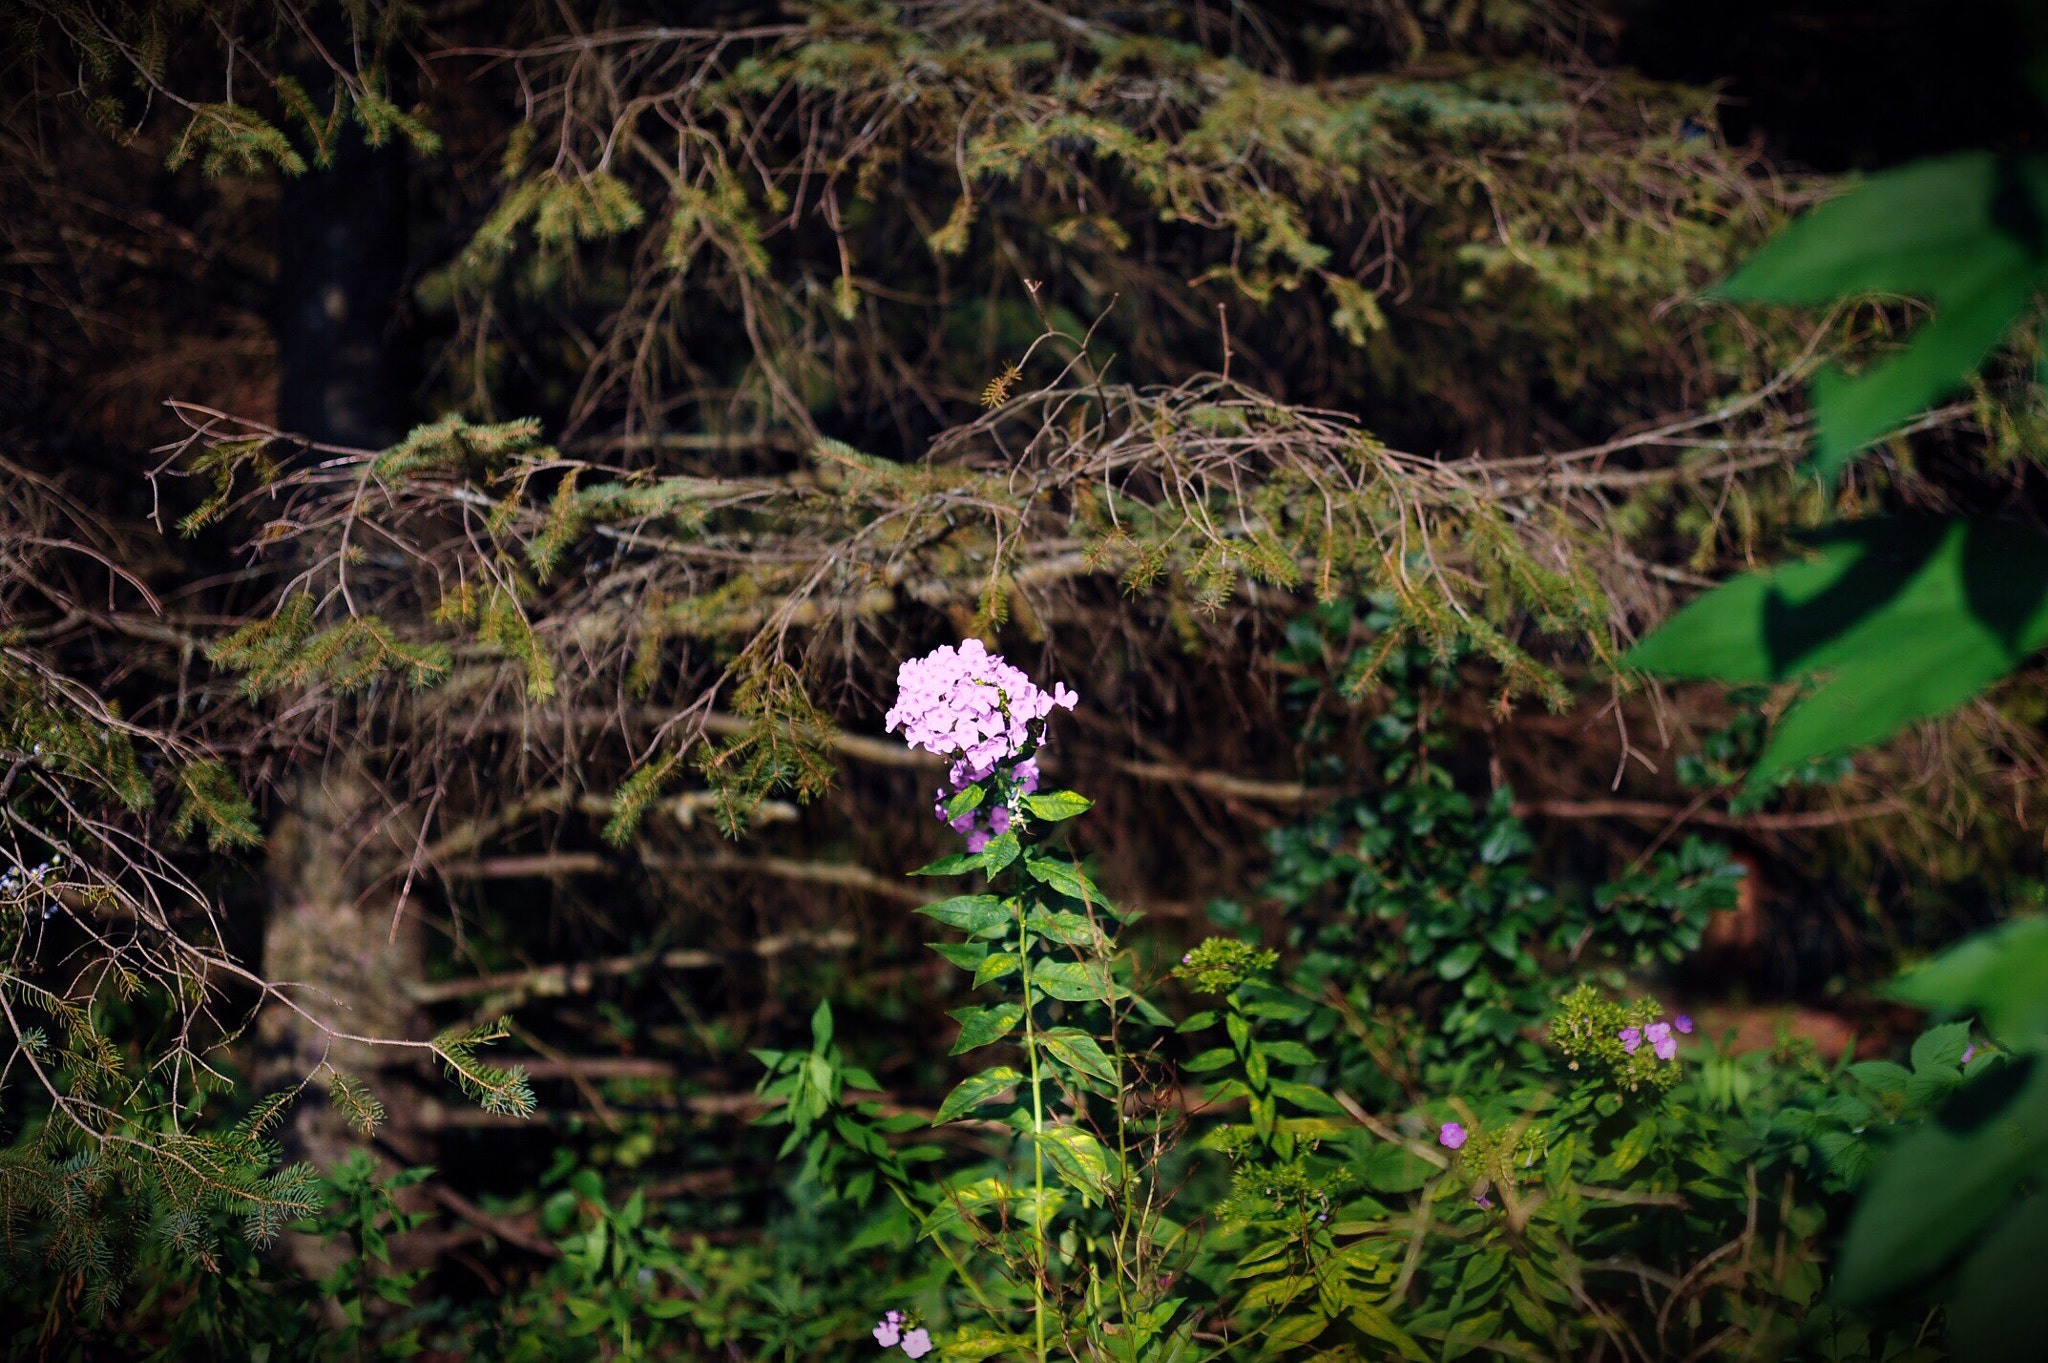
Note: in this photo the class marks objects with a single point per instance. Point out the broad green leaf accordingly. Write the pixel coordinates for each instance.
(976, 1089)
(970, 913)
(999, 853)
(1214, 1058)
(995, 966)
(1287, 1053)
(1457, 963)
(966, 955)
(1941, 1186)
(1068, 929)
(2000, 975)
(1374, 1321)
(1997, 1312)
(1065, 878)
(1941, 1048)
(964, 800)
(981, 1026)
(1307, 1097)
(1074, 981)
(1906, 618)
(1055, 805)
(1966, 233)
(1082, 1162)
(1079, 1052)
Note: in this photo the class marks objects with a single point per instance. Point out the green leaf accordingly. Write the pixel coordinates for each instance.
(970, 913)
(1068, 929)
(1908, 618)
(976, 1089)
(1074, 981)
(1998, 1312)
(1941, 1186)
(1964, 232)
(1287, 1053)
(981, 1026)
(1057, 804)
(964, 800)
(1082, 1162)
(821, 1026)
(1214, 1058)
(952, 864)
(1079, 1052)
(1307, 1097)
(1065, 878)
(1941, 1048)
(966, 955)
(995, 966)
(2000, 975)
(1375, 1322)
(1458, 961)
(1000, 852)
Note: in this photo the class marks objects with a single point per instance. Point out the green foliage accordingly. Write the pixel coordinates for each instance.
(1905, 618)
(1967, 232)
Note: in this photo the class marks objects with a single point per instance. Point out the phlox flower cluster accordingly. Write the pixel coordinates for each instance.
(969, 705)
(890, 1332)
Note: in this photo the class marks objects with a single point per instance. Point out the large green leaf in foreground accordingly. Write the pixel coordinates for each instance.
(1967, 233)
(1901, 619)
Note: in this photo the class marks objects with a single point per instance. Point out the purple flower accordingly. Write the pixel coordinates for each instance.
(1968, 1051)
(1683, 1022)
(1482, 1199)
(967, 703)
(917, 1343)
(1631, 1037)
(1451, 1137)
(977, 840)
(999, 820)
(889, 1329)
(1661, 1040)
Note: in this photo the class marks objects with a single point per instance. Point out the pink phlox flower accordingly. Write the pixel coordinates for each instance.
(1661, 1040)
(889, 1329)
(1683, 1022)
(1631, 1037)
(977, 840)
(1451, 1136)
(999, 820)
(966, 702)
(917, 1343)
(1026, 776)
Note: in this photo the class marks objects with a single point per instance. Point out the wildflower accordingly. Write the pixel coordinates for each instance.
(1661, 1040)
(968, 704)
(917, 1343)
(1683, 1022)
(1452, 1136)
(977, 840)
(889, 1329)
(1631, 1037)
(1482, 1200)
(1968, 1051)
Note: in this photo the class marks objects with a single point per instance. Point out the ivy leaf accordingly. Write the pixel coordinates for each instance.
(1907, 618)
(969, 913)
(1057, 804)
(1965, 232)
(976, 1089)
(982, 1026)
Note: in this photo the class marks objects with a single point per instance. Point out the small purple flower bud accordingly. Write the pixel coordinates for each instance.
(1683, 1022)
(1452, 1136)
(1968, 1051)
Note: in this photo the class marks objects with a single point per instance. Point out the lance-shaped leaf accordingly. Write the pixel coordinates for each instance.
(1055, 805)
(1905, 618)
(1079, 1052)
(1066, 878)
(2001, 976)
(1082, 1162)
(969, 913)
(984, 1026)
(976, 1089)
(1967, 233)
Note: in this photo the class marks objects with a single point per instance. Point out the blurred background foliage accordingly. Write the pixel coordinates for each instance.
(576, 411)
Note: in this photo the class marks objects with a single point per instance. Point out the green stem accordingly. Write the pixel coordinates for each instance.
(1037, 1130)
